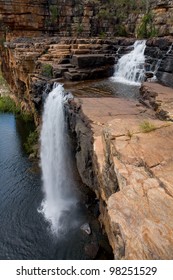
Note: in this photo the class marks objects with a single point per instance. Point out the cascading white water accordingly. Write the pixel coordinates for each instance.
(56, 173)
(130, 67)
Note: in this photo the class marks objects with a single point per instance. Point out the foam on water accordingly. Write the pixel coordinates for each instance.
(130, 67)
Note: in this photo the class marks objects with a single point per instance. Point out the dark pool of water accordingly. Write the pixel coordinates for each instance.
(24, 234)
(102, 88)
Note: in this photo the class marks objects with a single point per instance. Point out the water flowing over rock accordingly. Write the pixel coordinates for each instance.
(158, 63)
(130, 67)
(56, 170)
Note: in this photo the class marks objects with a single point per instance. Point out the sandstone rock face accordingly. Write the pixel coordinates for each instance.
(132, 171)
(162, 11)
(66, 18)
(31, 65)
(81, 18)
(22, 18)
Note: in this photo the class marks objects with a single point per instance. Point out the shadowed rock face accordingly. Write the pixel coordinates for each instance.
(159, 59)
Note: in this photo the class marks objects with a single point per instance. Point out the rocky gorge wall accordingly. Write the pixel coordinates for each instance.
(22, 18)
(162, 16)
(84, 18)
(30, 65)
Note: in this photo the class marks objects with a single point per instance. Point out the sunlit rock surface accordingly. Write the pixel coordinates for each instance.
(132, 170)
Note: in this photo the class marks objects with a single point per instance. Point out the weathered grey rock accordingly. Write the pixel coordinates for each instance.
(165, 78)
(159, 59)
(167, 64)
(86, 228)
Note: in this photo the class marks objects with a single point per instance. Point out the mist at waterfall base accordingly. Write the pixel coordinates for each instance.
(59, 204)
(130, 67)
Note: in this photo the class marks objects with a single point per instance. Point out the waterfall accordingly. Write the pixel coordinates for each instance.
(130, 67)
(56, 171)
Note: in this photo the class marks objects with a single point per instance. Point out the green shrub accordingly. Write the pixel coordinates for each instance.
(8, 105)
(146, 126)
(47, 70)
(80, 28)
(146, 29)
(25, 116)
(102, 35)
(121, 31)
(53, 13)
(31, 142)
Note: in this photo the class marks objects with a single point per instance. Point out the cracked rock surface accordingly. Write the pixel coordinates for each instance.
(133, 168)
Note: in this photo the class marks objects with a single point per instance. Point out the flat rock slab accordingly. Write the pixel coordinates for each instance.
(102, 110)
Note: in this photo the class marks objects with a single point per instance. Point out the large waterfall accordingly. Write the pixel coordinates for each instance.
(130, 67)
(56, 171)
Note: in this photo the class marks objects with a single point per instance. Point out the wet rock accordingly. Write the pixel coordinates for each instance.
(86, 228)
(165, 78)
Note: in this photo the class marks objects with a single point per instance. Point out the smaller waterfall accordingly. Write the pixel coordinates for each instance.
(56, 171)
(170, 49)
(130, 67)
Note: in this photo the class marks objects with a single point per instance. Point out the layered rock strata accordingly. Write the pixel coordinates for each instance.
(67, 18)
(162, 16)
(22, 18)
(130, 170)
(30, 65)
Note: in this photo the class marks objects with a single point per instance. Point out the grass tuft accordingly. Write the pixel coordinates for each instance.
(146, 126)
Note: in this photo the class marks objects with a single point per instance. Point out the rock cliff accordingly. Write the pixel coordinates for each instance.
(124, 154)
(82, 18)
(162, 16)
(22, 18)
